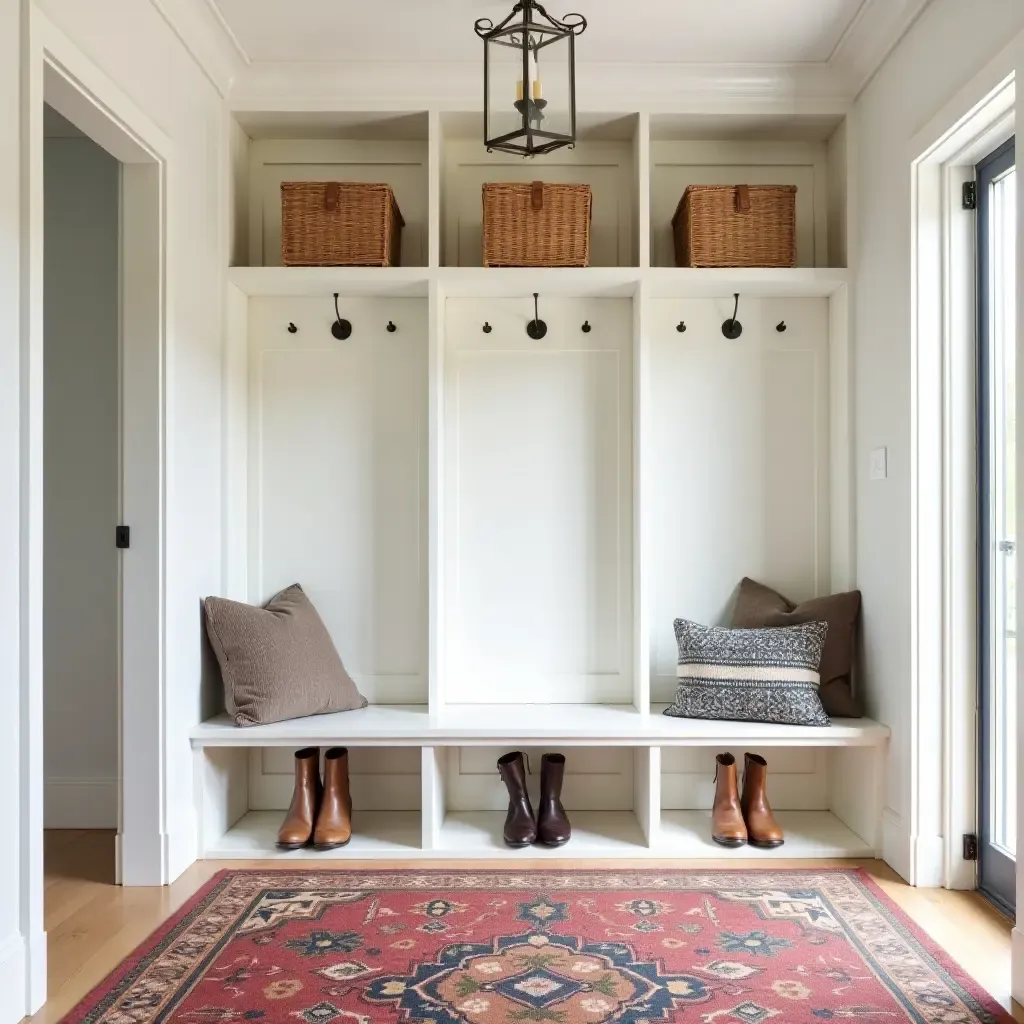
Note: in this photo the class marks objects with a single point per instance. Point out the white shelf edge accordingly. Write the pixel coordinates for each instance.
(488, 724)
(512, 282)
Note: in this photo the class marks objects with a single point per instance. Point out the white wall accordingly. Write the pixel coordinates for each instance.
(132, 45)
(81, 470)
(945, 48)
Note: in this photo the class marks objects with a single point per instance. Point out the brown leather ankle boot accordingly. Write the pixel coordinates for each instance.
(762, 828)
(553, 827)
(520, 824)
(297, 829)
(334, 822)
(727, 827)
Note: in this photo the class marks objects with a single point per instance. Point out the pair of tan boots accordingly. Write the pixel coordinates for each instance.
(735, 820)
(321, 811)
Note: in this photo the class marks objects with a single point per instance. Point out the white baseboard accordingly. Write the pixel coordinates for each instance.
(896, 844)
(918, 860)
(1017, 965)
(13, 980)
(36, 972)
(80, 803)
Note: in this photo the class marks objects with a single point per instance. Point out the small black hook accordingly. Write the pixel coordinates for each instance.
(487, 328)
(536, 328)
(782, 328)
(681, 327)
(586, 328)
(732, 328)
(292, 329)
(341, 329)
(391, 327)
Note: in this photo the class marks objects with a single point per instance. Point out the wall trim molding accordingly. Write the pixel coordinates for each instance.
(80, 803)
(869, 39)
(204, 32)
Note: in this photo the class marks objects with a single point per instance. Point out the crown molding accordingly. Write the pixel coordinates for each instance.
(872, 35)
(608, 88)
(208, 38)
(291, 85)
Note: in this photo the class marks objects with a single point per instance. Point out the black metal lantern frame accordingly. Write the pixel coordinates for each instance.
(529, 29)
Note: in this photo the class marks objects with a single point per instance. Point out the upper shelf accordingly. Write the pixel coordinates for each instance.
(569, 725)
(589, 282)
(637, 165)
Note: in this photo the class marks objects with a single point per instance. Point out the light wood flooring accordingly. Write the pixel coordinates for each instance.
(93, 925)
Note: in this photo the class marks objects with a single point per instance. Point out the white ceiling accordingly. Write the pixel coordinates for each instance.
(688, 31)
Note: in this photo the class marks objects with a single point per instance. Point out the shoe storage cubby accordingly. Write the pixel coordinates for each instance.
(499, 529)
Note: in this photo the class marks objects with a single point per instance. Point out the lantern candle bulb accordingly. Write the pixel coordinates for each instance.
(519, 90)
(538, 92)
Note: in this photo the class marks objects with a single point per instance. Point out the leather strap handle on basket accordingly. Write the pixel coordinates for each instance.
(537, 196)
(332, 197)
(743, 199)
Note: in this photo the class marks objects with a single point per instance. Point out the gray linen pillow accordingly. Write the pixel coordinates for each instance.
(278, 661)
(750, 675)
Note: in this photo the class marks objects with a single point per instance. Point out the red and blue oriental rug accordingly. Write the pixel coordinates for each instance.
(579, 947)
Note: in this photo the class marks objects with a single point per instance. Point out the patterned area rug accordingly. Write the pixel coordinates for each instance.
(341, 947)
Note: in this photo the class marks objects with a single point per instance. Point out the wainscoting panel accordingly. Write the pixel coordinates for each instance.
(337, 481)
(538, 510)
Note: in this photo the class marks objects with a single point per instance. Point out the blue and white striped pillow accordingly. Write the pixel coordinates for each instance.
(750, 675)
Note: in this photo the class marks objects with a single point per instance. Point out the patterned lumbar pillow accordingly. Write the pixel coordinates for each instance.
(278, 661)
(750, 675)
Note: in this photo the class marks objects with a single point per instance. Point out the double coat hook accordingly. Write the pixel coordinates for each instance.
(341, 329)
(536, 328)
(732, 328)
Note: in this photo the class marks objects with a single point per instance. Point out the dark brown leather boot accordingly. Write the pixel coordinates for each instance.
(727, 828)
(520, 824)
(297, 829)
(334, 822)
(553, 827)
(762, 828)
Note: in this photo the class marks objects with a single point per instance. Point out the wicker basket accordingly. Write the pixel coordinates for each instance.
(339, 224)
(536, 225)
(736, 226)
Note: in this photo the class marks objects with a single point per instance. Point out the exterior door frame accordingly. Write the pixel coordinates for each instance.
(998, 867)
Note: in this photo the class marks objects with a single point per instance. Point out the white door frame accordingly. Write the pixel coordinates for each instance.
(58, 73)
(944, 683)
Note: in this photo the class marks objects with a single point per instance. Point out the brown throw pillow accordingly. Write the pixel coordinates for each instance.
(278, 661)
(758, 606)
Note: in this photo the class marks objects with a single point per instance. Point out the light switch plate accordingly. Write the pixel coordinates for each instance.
(879, 463)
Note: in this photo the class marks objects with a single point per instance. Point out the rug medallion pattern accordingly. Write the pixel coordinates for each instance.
(587, 947)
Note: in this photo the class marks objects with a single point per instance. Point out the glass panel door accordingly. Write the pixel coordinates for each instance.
(997, 491)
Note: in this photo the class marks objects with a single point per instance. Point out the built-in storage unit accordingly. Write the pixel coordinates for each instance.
(499, 530)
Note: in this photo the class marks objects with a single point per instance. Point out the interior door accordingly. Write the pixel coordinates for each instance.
(997, 229)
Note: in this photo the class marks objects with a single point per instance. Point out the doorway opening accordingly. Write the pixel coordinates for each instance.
(81, 501)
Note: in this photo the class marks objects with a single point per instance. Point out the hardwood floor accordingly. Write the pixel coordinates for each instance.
(93, 925)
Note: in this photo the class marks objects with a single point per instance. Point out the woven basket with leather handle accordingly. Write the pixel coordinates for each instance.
(536, 225)
(736, 226)
(339, 224)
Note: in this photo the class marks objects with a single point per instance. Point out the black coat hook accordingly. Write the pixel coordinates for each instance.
(487, 328)
(536, 328)
(681, 327)
(391, 327)
(586, 328)
(292, 329)
(732, 328)
(782, 328)
(341, 329)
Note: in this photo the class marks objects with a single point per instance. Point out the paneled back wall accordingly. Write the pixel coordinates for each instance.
(739, 473)
(338, 478)
(538, 530)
